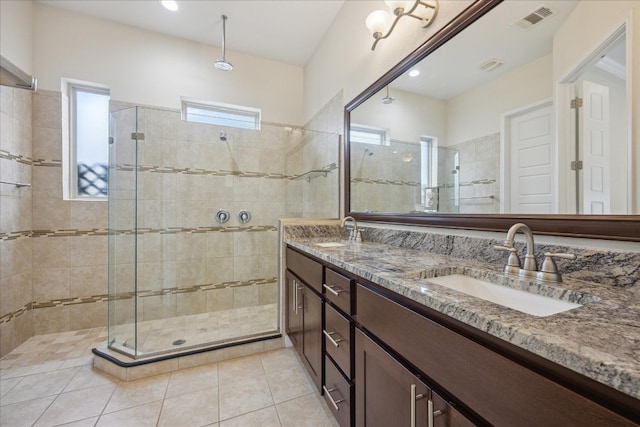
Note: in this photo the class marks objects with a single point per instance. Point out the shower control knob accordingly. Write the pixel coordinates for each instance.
(222, 216)
(244, 216)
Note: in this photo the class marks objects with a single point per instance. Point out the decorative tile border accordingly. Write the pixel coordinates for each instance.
(61, 302)
(26, 160)
(16, 235)
(417, 184)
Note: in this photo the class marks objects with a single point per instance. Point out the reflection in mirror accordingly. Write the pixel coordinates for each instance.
(498, 121)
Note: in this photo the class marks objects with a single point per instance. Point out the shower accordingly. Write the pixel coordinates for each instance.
(222, 64)
(180, 281)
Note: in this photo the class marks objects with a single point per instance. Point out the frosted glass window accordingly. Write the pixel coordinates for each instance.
(90, 141)
(368, 135)
(221, 114)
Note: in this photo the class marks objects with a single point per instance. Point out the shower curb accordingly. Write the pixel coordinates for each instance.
(111, 362)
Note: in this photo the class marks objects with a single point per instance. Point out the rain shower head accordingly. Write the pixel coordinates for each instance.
(388, 99)
(222, 64)
(223, 135)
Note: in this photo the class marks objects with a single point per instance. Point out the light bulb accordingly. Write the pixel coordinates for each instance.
(378, 22)
(171, 5)
(400, 6)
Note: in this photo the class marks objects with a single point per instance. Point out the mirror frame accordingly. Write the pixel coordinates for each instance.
(613, 227)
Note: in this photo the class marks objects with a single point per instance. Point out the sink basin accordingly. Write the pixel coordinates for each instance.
(523, 301)
(330, 244)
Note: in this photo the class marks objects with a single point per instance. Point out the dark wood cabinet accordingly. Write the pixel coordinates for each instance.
(303, 321)
(381, 359)
(389, 394)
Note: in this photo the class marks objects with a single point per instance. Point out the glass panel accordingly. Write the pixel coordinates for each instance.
(193, 281)
(122, 226)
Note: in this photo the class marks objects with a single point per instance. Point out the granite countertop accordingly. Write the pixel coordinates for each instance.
(600, 340)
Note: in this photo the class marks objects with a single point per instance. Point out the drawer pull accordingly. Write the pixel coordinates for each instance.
(335, 342)
(414, 398)
(432, 414)
(328, 394)
(333, 291)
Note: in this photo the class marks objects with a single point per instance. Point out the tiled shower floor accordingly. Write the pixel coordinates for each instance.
(198, 329)
(49, 381)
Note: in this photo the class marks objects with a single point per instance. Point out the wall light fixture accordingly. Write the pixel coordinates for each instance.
(381, 23)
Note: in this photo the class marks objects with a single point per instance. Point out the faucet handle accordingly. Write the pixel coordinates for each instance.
(549, 265)
(513, 260)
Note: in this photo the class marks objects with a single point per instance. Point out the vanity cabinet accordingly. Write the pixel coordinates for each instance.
(303, 322)
(389, 394)
(492, 387)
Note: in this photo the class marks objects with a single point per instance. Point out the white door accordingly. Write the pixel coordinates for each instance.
(594, 149)
(532, 153)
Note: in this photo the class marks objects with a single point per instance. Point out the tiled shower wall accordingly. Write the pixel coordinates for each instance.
(385, 176)
(16, 158)
(64, 286)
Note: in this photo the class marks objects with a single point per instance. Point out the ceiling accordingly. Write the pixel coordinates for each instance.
(453, 70)
(282, 30)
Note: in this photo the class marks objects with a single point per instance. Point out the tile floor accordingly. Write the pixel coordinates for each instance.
(49, 381)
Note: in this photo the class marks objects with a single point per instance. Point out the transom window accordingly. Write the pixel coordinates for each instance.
(214, 113)
(368, 135)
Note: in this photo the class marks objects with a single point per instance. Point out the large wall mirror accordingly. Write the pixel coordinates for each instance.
(514, 111)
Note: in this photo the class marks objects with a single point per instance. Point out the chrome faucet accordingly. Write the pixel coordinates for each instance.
(548, 272)
(355, 234)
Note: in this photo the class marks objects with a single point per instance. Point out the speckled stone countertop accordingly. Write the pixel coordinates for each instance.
(600, 340)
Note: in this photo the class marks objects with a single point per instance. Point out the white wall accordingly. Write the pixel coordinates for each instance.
(16, 33)
(149, 68)
(409, 117)
(583, 32)
(477, 112)
(344, 60)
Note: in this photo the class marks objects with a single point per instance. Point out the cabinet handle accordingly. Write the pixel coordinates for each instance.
(296, 304)
(333, 402)
(431, 414)
(335, 342)
(414, 397)
(333, 291)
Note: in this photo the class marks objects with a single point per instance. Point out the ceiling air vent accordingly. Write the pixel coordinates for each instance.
(540, 14)
(491, 64)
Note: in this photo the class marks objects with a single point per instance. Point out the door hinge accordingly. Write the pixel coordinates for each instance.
(576, 165)
(138, 136)
(576, 103)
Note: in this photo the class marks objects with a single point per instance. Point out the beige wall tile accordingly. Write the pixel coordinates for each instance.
(51, 319)
(88, 281)
(47, 143)
(47, 110)
(87, 215)
(245, 296)
(51, 252)
(190, 303)
(51, 213)
(85, 316)
(51, 283)
(14, 333)
(87, 250)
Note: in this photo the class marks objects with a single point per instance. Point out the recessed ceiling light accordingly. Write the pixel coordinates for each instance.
(414, 73)
(171, 5)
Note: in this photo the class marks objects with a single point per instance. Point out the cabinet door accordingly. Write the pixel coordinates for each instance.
(312, 334)
(387, 394)
(293, 319)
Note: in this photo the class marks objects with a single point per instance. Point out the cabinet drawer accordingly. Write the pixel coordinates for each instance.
(305, 268)
(500, 390)
(337, 339)
(338, 392)
(338, 289)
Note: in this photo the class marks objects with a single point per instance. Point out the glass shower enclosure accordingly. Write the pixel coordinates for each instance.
(180, 277)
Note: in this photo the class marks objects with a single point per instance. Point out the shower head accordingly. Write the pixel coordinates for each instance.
(368, 152)
(222, 64)
(388, 99)
(223, 135)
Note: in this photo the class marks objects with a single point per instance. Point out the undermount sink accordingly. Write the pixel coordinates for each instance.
(330, 244)
(517, 299)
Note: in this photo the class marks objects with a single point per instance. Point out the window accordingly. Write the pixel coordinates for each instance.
(368, 135)
(88, 150)
(221, 114)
